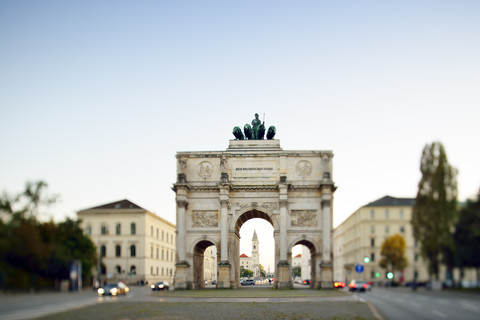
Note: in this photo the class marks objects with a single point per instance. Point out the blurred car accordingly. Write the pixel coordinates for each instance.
(122, 288)
(339, 284)
(214, 282)
(248, 282)
(160, 286)
(306, 281)
(361, 286)
(113, 289)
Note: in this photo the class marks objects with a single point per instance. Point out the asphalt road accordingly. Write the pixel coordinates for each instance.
(402, 303)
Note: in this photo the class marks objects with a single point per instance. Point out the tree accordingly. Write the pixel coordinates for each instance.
(39, 254)
(263, 274)
(245, 273)
(393, 254)
(297, 271)
(434, 212)
(467, 236)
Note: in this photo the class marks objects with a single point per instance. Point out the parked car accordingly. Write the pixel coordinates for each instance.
(248, 282)
(214, 282)
(306, 281)
(361, 286)
(160, 286)
(113, 289)
(339, 284)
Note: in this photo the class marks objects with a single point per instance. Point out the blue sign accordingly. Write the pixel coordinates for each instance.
(359, 268)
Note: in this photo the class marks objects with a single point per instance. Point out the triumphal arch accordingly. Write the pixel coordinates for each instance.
(218, 191)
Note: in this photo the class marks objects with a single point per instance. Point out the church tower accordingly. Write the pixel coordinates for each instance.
(255, 255)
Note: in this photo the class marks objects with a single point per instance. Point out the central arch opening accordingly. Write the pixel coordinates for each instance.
(255, 264)
(303, 262)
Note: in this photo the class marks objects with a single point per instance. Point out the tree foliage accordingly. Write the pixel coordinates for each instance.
(39, 254)
(263, 273)
(393, 253)
(467, 235)
(245, 273)
(434, 213)
(297, 271)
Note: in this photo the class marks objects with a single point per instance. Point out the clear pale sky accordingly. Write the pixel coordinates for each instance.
(96, 97)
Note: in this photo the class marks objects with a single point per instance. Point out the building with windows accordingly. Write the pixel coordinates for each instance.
(134, 244)
(358, 241)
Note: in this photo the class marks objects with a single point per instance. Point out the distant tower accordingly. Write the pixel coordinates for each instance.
(255, 255)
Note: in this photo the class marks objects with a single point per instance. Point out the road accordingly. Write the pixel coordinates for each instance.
(402, 303)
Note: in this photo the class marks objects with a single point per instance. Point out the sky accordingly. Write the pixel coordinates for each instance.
(96, 97)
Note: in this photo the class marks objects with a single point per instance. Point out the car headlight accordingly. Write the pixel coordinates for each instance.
(100, 291)
(160, 286)
(152, 286)
(113, 291)
(127, 289)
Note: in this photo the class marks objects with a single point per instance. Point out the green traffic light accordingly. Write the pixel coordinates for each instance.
(389, 275)
(366, 259)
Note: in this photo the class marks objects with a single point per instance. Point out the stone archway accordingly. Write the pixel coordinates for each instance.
(314, 257)
(198, 263)
(237, 223)
(218, 191)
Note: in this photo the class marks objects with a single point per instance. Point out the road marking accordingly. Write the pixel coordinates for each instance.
(439, 314)
(469, 305)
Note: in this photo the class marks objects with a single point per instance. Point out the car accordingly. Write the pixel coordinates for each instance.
(214, 282)
(248, 282)
(361, 286)
(113, 289)
(339, 284)
(160, 286)
(306, 281)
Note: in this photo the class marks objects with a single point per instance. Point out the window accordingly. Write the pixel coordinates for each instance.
(133, 228)
(133, 270)
(415, 258)
(402, 229)
(151, 270)
(401, 214)
(162, 255)
(157, 233)
(387, 229)
(372, 257)
(372, 229)
(118, 250)
(171, 238)
(103, 251)
(118, 270)
(387, 214)
(372, 214)
(157, 252)
(151, 231)
(162, 271)
(103, 229)
(372, 242)
(167, 237)
(372, 274)
(118, 229)
(132, 251)
(151, 251)
(162, 235)
(171, 256)
(88, 230)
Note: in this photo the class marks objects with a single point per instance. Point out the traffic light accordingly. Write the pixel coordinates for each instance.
(389, 275)
(366, 259)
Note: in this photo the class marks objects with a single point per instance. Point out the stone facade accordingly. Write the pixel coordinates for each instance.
(134, 244)
(218, 191)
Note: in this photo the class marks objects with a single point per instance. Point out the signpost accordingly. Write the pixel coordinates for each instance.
(359, 268)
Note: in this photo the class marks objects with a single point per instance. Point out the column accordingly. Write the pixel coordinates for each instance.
(326, 265)
(181, 209)
(284, 277)
(224, 229)
(224, 266)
